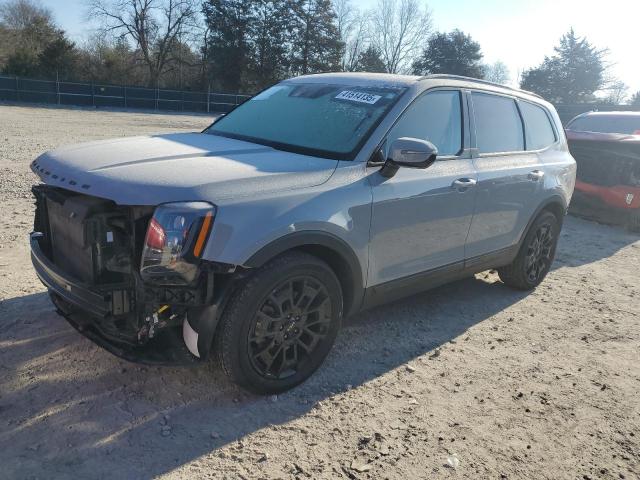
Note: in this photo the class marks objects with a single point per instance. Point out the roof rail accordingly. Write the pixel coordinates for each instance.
(476, 80)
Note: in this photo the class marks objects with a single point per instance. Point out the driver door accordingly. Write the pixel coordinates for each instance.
(421, 217)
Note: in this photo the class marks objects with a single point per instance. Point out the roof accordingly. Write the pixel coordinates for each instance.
(392, 79)
(360, 78)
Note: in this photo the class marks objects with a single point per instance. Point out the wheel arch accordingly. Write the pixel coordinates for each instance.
(555, 204)
(327, 247)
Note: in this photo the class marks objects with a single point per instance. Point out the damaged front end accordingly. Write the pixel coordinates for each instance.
(130, 278)
(608, 173)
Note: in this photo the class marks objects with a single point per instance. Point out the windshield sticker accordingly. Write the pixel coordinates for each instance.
(360, 97)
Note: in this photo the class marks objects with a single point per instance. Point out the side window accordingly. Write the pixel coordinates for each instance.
(538, 127)
(498, 124)
(436, 117)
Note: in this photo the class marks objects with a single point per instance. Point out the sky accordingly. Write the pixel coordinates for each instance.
(518, 32)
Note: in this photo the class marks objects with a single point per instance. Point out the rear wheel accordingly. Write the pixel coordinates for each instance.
(280, 327)
(536, 254)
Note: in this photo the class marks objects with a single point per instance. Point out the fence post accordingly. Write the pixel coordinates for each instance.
(157, 96)
(125, 95)
(17, 89)
(208, 96)
(58, 87)
(93, 95)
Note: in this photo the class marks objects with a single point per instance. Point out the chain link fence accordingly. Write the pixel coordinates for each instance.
(19, 89)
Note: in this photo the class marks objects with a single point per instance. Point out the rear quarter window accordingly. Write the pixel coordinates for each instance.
(498, 124)
(539, 132)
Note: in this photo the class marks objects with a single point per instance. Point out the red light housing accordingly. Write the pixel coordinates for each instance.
(155, 235)
(175, 240)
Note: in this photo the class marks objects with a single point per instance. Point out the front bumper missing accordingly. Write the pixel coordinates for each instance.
(87, 309)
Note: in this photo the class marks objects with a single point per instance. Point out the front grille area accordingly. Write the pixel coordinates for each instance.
(89, 238)
(607, 163)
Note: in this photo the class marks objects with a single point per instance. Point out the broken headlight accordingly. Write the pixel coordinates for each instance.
(175, 239)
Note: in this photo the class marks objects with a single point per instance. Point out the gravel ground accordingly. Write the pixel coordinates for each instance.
(471, 380)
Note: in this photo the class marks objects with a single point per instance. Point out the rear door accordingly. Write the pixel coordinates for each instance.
(510, 178)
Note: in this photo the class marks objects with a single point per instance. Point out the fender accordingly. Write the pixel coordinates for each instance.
(200, 327)
(557, 201)
(343, 256)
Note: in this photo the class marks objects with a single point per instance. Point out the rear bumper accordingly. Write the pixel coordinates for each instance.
(624, 197)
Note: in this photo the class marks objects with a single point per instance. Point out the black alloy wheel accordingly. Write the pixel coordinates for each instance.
(278, 328)
(538, 258)
(536, 254)
(288, 327)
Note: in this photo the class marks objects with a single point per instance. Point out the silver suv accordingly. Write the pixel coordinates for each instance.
(319, 197)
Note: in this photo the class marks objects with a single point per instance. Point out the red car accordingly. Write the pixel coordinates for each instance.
(606, 147)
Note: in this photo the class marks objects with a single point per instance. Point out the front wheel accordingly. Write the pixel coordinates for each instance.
(279, 328)
(536, 254)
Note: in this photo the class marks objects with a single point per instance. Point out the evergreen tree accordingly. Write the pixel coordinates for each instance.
(227, 44)
(453, 53)
(370, 60)
(58, 59)
(572, 75)
(269, 36)
(316, 43)
(635, 99)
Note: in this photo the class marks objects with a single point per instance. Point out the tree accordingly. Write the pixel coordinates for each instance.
(398, 30)
(269, 34)
(316, 45)
(353, 26)
(33, 45)
(453, 53)
(227, 48)
(110, 61)
(370, 61)
(58, 59)
(635, 99)
(572, 75)
(497, 72)
(617, 92)
(154, 25)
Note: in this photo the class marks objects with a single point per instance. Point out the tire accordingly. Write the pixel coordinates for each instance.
(535, 256)
(290, 309)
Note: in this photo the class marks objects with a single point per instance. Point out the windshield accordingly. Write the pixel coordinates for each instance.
(325, 120)
(629, 125)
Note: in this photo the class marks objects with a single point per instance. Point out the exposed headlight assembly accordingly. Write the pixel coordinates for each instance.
(175, 239)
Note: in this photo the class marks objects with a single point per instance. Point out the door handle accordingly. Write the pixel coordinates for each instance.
(464, 182)
(536, 175)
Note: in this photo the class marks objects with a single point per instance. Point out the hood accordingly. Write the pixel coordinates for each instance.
(178, 167)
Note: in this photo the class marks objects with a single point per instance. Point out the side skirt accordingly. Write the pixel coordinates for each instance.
(406, 286)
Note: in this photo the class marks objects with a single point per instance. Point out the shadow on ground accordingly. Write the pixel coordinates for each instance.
(70, 410)
(70, 406)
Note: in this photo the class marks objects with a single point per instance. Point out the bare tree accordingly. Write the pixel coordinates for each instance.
(617, 92)
(353, 26)
(497, 72)
(22, 14)
(399, 29)
(156, 26)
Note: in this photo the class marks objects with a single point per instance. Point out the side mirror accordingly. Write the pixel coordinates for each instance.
(411, 153)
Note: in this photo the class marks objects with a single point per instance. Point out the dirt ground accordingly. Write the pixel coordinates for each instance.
(471, 380)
